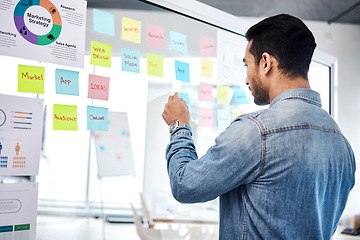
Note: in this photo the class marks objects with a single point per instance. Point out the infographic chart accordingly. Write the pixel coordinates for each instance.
(21, 121)
(18, 210)
(44, 30)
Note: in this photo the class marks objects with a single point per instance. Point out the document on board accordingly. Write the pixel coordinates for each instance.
(48, 30)
(21, 123)
(18, 211)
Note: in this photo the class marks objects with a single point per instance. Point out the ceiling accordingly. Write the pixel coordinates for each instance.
(338, 11)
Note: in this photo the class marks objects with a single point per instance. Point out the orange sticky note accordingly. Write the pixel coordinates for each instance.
(31, 79)
(155, 64)
(131, 30)
(100, 54)
(65, 117)
(207, 67)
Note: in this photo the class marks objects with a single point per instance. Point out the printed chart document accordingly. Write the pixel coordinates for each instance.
(18, 211)
(48, 30)
(21, 123)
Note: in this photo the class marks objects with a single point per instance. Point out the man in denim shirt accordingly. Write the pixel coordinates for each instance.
(281, 173)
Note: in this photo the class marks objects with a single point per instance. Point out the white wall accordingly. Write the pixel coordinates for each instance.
(343, 42)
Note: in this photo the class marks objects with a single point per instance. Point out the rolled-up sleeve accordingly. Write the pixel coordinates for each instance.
(234, 160)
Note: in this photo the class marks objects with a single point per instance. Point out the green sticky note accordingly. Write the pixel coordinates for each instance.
(65, 117)
(100, 54)
(223, 95)
(155, 65)
(31, 79)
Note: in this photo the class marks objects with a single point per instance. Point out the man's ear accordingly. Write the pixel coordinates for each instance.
(266, 63)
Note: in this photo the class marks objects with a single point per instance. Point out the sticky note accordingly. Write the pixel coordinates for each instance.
(103, 22)
(155, 65)
(239, 96)
(100, 54)
(182, 71)
(178, 42)
(236, 113)
(131, 30)
(207, 46)
(207, 67)
(155, 36)
(205, 92)
(223, 118)
(223, 94)
(97, 118)
(130, 60)
(98, 87)
(65, 117)
(31, 79)
(67, 82)
(205, 117)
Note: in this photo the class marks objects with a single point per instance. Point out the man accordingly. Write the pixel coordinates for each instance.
(284, 172)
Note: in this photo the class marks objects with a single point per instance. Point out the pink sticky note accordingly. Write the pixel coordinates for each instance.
(98, 87)
(205, 92)
(155, 36)
(207, 46)
(205, 117)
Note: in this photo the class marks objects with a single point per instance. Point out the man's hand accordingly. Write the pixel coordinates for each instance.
(176, 109)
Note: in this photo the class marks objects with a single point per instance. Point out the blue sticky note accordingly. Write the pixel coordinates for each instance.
(97, 118)
(182, 71)
(103, 22)
(185, 96)
(239, 96)
(223, 118)
(130, 60)
(178, 42)
(67, 82)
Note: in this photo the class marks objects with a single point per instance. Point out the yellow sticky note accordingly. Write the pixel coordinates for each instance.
(155, 65)
(131, 30)
(65, 117)
(100, 54)
(223, 95)
(31, 79)
(236, 113)
(207, 67)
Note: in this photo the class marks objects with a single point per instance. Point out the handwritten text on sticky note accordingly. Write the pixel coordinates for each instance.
(100, 54)
(155, 36)
(65, 117)
(178, 42)
(155, 65)
(130, 60)
(67, 82)
(207, 67)
(205, 117)
(182, 71)
(207, 46)
(97, 118)
(223, 118)
(223, 94)
(31, 79)
(98, 87)
(131, 30)
(205, 92)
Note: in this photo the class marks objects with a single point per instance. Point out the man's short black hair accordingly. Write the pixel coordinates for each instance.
(287, 39)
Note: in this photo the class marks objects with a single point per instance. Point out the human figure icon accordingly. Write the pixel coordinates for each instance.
(17, 149)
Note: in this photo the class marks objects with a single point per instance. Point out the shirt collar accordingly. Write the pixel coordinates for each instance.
(305, 94)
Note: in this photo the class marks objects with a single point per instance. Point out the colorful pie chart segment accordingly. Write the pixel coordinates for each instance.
(38, 19)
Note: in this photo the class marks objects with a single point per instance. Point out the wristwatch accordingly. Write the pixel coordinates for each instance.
(173, 126)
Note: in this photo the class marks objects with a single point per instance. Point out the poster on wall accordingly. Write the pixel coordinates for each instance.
(48, 30)
(113, 148)
(18, 211)
(21, 122)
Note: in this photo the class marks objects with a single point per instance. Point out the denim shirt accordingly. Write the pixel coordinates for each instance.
(284, 172)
